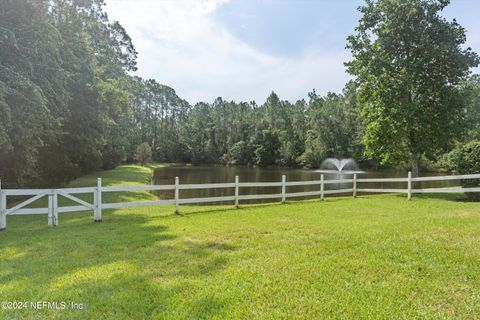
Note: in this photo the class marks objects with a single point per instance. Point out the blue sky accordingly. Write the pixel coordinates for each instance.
(244, 49)
(290, 27)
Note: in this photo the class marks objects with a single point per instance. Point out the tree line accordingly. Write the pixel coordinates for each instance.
(69, 104)
(226, 132)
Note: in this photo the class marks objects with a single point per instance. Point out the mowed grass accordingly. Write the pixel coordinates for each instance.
(376, 257)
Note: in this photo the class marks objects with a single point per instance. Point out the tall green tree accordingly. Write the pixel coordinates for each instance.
(33, 92)
(334, 127)
(471, 93)
(408, 61)
(158, 116)
(64, 98)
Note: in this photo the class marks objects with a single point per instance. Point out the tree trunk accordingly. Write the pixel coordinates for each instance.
(415, 167)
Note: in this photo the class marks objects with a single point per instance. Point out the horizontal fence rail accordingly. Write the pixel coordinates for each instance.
(444, 178)
(97, 205)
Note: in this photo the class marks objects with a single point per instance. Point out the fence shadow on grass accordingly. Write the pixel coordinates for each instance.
(190, 210)
(455, 197)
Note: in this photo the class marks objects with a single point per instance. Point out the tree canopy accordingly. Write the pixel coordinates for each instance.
(408, 61)
(63, 91)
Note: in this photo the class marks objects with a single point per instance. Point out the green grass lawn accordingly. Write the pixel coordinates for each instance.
(378, 257)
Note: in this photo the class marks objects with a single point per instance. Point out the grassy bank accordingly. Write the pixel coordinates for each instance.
(126, 175)
(378, 257)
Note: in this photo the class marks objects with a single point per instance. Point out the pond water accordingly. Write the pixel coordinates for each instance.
(222, 174)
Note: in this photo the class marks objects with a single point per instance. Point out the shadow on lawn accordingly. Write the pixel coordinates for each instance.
(125, 261)
(202, 209)
(455, 197)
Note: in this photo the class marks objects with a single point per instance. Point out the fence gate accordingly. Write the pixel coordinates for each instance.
(20, 208)
(53, 209)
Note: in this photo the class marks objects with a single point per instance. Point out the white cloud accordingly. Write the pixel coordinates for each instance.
(181, 45)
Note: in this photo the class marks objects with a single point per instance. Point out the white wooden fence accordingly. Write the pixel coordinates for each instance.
(53, 209)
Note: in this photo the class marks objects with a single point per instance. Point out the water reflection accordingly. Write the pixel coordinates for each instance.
(221, 174)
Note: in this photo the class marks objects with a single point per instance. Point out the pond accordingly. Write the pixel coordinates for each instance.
(222, 174)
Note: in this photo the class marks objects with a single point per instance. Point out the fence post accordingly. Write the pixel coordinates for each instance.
(322, 187)
(284, 188)
(97, 213)
(55, 207)
(237, 179)
(50, 208)
(95, 203)
(409, 195)
(177, 194)
(354, 185)
(3, 208)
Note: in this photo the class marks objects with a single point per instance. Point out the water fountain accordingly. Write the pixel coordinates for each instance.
(343, 166)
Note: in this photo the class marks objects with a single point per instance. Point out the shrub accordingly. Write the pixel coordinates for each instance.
(465, 159)
(143, 153)
(240, 154)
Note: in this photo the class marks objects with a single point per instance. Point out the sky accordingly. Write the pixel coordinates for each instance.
(243, 50)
